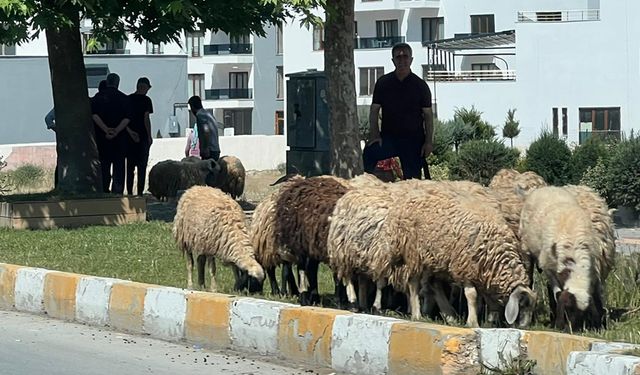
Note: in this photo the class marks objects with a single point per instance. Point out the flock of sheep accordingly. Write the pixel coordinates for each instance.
(425, 239)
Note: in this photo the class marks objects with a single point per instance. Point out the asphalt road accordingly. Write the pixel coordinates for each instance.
(32, 344)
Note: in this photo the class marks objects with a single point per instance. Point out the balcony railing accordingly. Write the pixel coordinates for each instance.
(580, 15)
(222, 94)
(470, 75)
(378, 42)
(109, 52)
(226, 49)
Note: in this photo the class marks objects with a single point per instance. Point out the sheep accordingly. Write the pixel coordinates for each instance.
(208, 225)
(232, 176)
(560, 236)
(168, 177)
(397, 233)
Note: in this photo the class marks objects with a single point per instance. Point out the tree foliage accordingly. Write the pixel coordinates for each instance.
(473, 117)
(511, 127)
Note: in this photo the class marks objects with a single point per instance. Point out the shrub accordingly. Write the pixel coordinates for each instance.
(26, 175)
(596, 178)
(586, 156)
(623, 174)
(4, 181)
(550, 157)
(439, 172)
(479, 160)
(442, 142)
(473, 117)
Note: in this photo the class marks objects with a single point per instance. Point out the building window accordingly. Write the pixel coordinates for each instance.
(240, 39)
(95, 74)
(368, 78)
(279, 40)
(279, 126)
(196, 85)
(483, 23)
(239, 120)
(565, 122)
(194, 43)
(279, 82)
(555, 121)
(239, 80)
(432, 29)
(355, 29)
(154, 49)
(7, 50)
(318, 38)
(484, 66)
(386, 28)
(599, 122)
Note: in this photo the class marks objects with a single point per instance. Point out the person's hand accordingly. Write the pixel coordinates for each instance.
(134, 135)
(150, 141)
(110, 135)
(427, 148)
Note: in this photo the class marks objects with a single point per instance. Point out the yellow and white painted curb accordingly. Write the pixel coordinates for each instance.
(347, 342)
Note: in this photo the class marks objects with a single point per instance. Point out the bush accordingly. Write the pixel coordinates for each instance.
(480, 160)
(550, 157)
(623, 174)
(439, 172)
(442, 144)
(596, 178)
(4, 180)
(26, 175)
(586, 156)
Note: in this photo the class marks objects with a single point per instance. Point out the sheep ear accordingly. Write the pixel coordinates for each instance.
(512, 309)
(214, 166)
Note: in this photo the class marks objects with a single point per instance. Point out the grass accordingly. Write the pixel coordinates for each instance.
(146, 252)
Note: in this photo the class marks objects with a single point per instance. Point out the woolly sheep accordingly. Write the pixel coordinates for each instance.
(231, 177)
(208, 225)
(559, 235)
(168, 177)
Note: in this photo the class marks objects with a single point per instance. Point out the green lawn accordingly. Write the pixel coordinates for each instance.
(146, 253)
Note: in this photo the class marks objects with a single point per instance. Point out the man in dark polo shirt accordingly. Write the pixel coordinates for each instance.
(111, 118)
(407, 118)
(139, 139)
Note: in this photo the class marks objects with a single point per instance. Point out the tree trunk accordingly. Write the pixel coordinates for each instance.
(78, 164)
(339, 66)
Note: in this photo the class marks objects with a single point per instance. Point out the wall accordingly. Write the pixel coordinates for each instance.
(26, 91)
(264, 92)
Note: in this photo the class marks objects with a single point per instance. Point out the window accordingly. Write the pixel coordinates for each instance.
(279, 126)
(240, 39)
(279, 43)
(565, 124)
(238, 119)
(484, 66)
(95, 74)
(599, 122)
(555, 121)
(386, 28)
(279, 82)
(196, 84)
(239, 80)
(194, 43)
(368, 78)
(548, 16)
(483, 23)
(7, 50)
(318, 38)
(154, 49)
(432, 29)
(355, 29)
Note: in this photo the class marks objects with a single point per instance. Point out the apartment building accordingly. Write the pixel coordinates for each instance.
(236, 76)
(569, 67)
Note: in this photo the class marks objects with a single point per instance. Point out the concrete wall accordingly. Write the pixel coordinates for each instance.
(264, 92)
(26, 96)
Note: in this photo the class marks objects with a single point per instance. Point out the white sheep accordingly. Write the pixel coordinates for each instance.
(168, 177)
(208, 225)
(559, 234)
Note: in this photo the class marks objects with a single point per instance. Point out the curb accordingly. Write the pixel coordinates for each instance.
(347, 342)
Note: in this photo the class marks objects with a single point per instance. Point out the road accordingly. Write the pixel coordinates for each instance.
(32, 344)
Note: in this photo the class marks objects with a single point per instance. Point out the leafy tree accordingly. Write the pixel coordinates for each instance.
(154, 20)
(550, 157)
(473, 117)
(459, 132)
(511, 127)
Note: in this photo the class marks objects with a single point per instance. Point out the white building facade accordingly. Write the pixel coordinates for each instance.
(569, 67)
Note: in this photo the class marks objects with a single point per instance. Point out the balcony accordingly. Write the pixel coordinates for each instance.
(224, 94)
(581, 15)
(418, 4)
(228, 49)
(378, 42)
(470, 75)
(109, 52)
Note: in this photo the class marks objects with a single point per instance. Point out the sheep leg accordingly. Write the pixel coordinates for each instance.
(271, 273)
(414, 299)
(472, 306)
(351, 293)
(377, 303)
(189, 271)
(289, 285)
(212, 268)
(202, 259)
(447, 311)
(363, 290)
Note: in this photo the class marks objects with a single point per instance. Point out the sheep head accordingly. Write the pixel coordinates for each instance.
(520, 306)
(210, 170)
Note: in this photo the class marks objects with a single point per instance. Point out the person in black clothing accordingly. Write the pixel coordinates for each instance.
(111, 117)
(140, 125)
(407, 118)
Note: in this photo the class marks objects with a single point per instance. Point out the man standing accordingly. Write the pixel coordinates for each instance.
(207, 130)
(407, 118)
(139, 129)
(111, 116)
